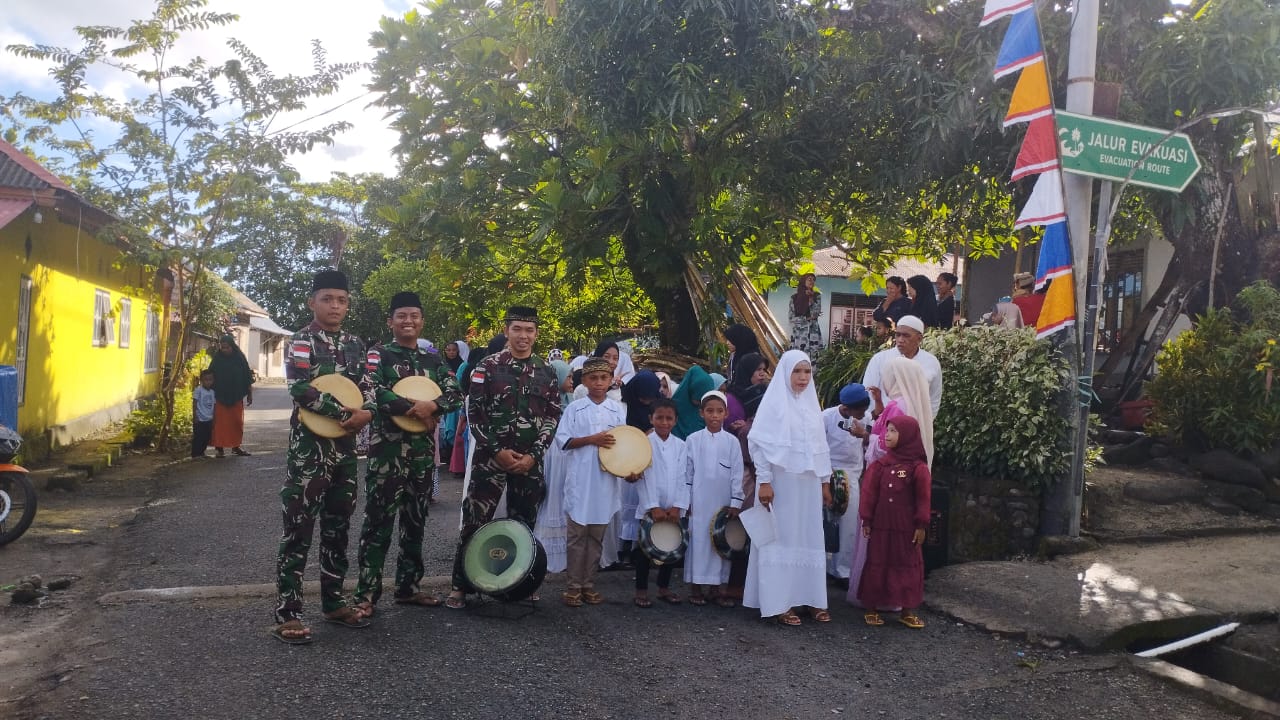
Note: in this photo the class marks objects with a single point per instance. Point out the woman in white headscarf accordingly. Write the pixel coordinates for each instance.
(788, 444)
(904, 390)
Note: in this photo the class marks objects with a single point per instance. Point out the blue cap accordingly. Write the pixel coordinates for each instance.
(854, 394)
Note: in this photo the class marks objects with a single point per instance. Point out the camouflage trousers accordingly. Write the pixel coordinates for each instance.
(524, 494)
(321, 483)
(398, 481)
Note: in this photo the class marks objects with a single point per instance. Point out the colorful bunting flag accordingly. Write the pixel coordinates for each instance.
(1021, 46)
(1045, 205)
(1030, 96)
(1059, 309)
(996, 9)
(1039, 148)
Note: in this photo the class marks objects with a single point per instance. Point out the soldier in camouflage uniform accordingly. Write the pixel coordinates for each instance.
(321, 478)
(513, 406)
(401, 464)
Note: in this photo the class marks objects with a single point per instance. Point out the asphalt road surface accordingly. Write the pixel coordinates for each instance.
(216, 523)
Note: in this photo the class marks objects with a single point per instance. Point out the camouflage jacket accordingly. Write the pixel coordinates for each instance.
(388, 363)
(312, 352)
(513, 404)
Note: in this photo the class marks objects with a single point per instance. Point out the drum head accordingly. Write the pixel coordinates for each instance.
(663, 542)
(728, 536)
(417, 387)
(499, 556)
(342, 390)
(631, 453)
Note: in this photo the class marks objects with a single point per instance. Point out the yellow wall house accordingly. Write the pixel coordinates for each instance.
(77, 316)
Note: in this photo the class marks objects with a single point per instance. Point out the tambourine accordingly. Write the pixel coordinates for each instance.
(663, 542)
(415, 387)
(728, 535)
(342, 390)
(630, 454)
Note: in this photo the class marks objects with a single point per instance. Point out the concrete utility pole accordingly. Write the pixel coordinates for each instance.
(1066, 499)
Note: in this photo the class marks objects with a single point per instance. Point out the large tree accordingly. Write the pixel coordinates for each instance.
(718, 132)
(178, 161)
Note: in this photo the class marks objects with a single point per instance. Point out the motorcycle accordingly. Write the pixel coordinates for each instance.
(17, 493)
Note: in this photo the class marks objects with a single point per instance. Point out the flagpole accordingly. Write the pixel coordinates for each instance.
(1081, 70)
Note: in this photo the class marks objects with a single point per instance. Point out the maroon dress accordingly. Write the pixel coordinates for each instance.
(894, 503)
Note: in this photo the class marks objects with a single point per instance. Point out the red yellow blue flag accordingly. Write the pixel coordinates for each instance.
(1030, 96)
(1039, 151)
(1054, 269)
(1021, 46)
(1045, 206)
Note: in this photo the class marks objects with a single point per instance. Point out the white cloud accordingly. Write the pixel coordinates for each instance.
(279, 31)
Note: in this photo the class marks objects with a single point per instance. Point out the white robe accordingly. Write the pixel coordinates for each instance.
(928, 363)
(714, 476)
(663, 484)
(591, 495)
(846, 454)
(551, 528)
(790, 571)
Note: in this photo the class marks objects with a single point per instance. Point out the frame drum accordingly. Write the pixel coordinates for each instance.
(839, 493)
(728, 535)
(631, 453)
(415, 387)
(664, 542)
(342, 390)
(504, 560)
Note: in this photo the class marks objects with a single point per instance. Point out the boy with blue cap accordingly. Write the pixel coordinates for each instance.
(848, 426)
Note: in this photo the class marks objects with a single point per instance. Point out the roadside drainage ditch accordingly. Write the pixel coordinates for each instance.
(1242, 674)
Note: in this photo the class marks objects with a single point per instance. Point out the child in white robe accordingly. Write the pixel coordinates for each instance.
(714, 476)
(591, 496)
(788, 445)
(848, 426)
(664, 495)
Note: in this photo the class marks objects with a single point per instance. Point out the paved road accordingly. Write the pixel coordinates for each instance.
(217, 523)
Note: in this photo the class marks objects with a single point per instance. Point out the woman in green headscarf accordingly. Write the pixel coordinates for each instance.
(688, 400)
(233, 390)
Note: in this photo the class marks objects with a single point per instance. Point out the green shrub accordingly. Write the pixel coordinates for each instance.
(838, 365)
(146, 421)
(1212, 388)
(1000, 414)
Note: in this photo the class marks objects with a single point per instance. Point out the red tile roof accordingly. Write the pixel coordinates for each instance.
(832, 262)
(19, 170)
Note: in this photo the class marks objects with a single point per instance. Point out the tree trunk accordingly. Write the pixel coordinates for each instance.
(660, 275)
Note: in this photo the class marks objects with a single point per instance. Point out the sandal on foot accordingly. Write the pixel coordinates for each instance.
(911, 620)
(572, 599)
(364, 607)
(697, 599)
(819, 615)
(788, 618)
(453, 602)
(591, 597)
(420, 599)
(348, 617)
(873, 618)
(725, 601)
(240, 451)
(643, 602)
(298, 634)
(669, 597)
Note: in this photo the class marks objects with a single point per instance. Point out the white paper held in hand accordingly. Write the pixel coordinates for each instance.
(760, 525)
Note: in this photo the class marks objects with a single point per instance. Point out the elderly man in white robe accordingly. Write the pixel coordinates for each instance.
(907, 338)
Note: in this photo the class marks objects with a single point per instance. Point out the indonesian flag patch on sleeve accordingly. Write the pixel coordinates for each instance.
(477, 375)
(372, 360)
(300, 352)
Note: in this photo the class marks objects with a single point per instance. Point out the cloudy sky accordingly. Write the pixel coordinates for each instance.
(280, 31)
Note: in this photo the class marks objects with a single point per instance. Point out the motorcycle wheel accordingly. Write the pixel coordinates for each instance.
(17, 505)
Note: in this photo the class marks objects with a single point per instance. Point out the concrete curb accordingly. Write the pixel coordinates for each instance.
(1179, 535)
(1217, 692)
(228, 592)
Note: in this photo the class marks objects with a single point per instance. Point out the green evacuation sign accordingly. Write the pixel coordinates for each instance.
(1108, 149)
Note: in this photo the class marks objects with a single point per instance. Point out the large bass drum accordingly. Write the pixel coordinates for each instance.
(504, 561)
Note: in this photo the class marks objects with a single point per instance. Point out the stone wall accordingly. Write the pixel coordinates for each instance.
(989, 518)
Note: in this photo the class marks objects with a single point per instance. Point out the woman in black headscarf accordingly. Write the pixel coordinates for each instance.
(233, 390)
(803, 312)
(741, 341)
(924, 301)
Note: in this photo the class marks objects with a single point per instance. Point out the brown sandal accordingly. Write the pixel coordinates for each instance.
(819, 615)
(788, 618)
(348, 617)
(365, 608)
(591, 597)
(911, 620)
(572, 599)
(299, 634)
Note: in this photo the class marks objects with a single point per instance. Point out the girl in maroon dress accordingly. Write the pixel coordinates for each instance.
(895, 513)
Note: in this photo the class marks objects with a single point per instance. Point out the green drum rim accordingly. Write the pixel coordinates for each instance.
(513, 541)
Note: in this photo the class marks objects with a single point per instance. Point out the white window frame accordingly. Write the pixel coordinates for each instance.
(103, 327)
(26, 293)
(126, 321)
(151, 343)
